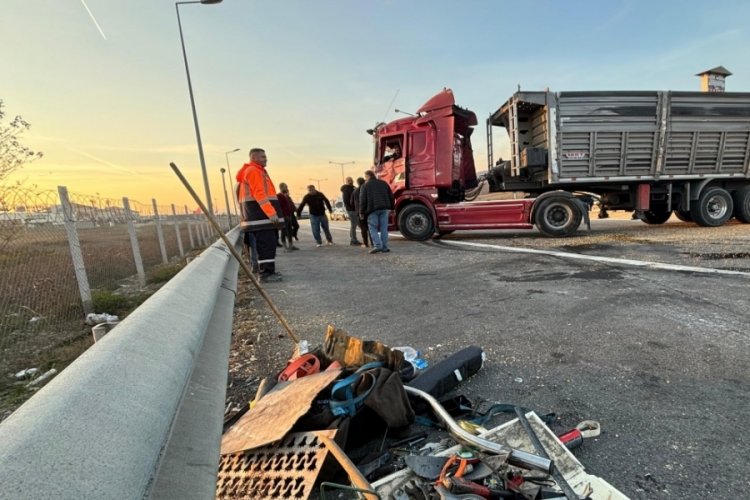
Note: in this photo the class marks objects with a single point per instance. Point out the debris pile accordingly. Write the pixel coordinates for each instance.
(387, 420)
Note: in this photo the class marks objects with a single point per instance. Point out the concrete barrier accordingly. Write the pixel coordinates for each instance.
(140, 413)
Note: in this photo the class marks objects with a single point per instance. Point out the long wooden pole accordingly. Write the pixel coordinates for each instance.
(236, 255)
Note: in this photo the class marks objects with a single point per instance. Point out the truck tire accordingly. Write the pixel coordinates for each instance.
(558, 216)
(741, 200)
(713, 208)
(656, 216)
(415, 223)
(683, 215)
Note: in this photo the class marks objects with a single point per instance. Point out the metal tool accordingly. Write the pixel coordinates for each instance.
(517, 458)
(236, 255)
(562, 483)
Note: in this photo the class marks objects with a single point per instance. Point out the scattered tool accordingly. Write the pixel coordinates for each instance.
(355, 476)
(562, 483)
(515, 457)
(574, 437)
(236, 255)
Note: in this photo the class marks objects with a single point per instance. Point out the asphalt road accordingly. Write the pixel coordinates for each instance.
(658, 356)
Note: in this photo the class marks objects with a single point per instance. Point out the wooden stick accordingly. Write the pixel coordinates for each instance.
(355, 476)
(236, 255)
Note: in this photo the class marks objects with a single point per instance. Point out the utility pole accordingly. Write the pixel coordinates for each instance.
(341, 164)
(318, 181)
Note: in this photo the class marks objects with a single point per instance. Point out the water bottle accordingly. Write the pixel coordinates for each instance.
(415, 360)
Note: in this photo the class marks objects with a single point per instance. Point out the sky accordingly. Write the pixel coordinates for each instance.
(104, 86)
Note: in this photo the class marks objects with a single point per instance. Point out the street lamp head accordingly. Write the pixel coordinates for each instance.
(209, 2)
(222, 170)
(234, 150)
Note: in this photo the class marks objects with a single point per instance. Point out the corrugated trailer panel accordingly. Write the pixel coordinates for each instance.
(708, 134)
(605, 134)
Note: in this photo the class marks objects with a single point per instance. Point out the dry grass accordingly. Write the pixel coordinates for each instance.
(41, 315)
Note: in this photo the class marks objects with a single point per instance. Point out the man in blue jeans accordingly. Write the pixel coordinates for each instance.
(375, 202)
(318, 203)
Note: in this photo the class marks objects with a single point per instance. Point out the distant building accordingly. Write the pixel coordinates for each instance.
(712, 80)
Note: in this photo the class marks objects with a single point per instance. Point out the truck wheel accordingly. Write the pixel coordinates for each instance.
(683, 215)
(713, 208)
(558, 216)
(741, 200)
(415, 223)
(656, 216)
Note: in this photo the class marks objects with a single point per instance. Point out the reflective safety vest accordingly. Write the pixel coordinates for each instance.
(257, 197)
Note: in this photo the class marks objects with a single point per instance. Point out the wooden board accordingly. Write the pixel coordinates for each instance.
(275, 415)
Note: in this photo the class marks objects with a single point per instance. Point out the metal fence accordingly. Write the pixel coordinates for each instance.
(64, 255)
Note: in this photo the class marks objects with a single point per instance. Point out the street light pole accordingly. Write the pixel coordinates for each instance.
(341, 164)
(192, 101)
(318, 181)
(226, 197)
(229, 171)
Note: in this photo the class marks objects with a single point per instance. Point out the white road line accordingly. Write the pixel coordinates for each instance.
(596, 258)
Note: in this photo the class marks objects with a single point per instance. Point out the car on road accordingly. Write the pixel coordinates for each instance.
(339, 214)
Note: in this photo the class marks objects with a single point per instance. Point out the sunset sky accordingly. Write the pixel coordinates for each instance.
(108, 101)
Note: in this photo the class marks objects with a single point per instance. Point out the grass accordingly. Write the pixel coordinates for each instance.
(41, 316)
(164, 273)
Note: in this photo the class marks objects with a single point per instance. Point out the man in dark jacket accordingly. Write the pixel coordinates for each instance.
(375, 201)
(346, 193)
(361, 221)
(318, 203)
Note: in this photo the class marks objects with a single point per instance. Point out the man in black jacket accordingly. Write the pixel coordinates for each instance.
(375, 201)
(346, 194)
(362, 222)
(318, 203)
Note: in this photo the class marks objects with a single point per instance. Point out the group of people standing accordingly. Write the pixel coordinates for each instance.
(268, 218)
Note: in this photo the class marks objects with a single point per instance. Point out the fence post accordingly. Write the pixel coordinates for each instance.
(75, 251)
(134, 243)
(177, 230)
(199, 228)
(190, 228)
(160, 234)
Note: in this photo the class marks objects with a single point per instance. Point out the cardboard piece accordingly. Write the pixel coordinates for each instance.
(276, 413)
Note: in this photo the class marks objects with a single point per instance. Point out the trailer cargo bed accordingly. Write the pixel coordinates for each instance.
(590, 137)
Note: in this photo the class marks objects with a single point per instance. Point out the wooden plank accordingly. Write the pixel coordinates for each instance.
(274, 416)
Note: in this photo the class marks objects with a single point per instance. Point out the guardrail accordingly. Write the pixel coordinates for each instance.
(139, 414)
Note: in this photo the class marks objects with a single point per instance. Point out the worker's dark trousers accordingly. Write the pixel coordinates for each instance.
(265, 241)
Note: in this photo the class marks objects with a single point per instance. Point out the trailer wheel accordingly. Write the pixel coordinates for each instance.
(683, 215)
(713, 208)
(415, 223)
(656, 216)
(558, 216)
(741, 200)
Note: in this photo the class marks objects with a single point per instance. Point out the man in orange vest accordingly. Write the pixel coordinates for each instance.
(261, 212)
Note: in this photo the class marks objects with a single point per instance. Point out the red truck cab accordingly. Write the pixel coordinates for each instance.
(428, 161)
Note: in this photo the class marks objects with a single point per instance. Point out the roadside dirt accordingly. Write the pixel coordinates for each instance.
(259, 347)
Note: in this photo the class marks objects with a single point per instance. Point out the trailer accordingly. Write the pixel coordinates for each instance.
(649, 152)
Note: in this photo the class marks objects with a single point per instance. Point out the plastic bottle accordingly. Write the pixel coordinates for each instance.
(414, 358)
(409, 352)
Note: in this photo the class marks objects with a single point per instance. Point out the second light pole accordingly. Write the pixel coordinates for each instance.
(341, 164)
(226, 198)
(229, 171)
